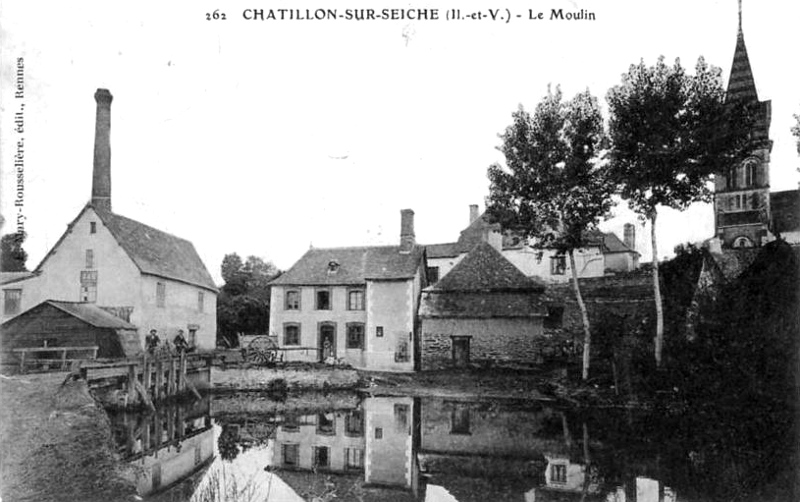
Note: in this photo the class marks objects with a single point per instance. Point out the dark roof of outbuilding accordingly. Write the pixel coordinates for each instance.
(91, 314)
(9, 277)
(485, 269)
(354, 265)
(444, 250)
(785, 207)
(153, 251)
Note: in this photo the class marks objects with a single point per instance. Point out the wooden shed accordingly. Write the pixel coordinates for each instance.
(70, 324)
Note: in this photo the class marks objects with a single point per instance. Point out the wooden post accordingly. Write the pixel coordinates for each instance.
(171, 377)
(181, 425)
(159, 378)
(132, 383)
(159, 418)
(170, 423)
(146, 376)
(22, 362)
(146, 434)
(182, 373)
(64, 359)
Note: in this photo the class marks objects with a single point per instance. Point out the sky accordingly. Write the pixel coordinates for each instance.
(267, 137)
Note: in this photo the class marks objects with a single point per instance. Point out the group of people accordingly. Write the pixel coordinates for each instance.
(153, 343)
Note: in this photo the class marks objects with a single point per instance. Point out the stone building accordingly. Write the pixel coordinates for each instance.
(483, 311)
(354, 304)
(147, 277)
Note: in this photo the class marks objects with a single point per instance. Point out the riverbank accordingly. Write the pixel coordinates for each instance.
(56, 443)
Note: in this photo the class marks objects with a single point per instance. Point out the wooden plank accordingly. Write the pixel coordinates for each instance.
(22, 363)
(182, 373)
(132, 380)
(147, 376)
(53, 349)
(171, 377)
(159, 378)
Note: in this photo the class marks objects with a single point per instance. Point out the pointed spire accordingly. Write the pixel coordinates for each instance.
(741, 84)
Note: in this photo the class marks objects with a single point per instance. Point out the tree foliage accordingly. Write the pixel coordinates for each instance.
(670, 132)
(12, 255)
(553, 188)
(796, 131)
(243, 302)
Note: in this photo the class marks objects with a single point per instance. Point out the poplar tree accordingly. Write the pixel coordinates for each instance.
(670, 132)
(553, 187)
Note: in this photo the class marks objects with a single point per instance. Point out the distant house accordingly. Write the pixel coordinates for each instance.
(147, 277)
(604, 252)
(355, 304)
(484, 310)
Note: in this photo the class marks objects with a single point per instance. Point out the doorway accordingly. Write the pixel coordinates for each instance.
(327, 341)
(461, 351)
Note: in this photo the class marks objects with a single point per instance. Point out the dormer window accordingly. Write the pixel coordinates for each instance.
(333, 266)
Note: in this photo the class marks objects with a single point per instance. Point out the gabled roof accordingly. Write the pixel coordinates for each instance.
(785, 208)
(608, 242)
(153, 251)
(485, 269)
(90, 314)
(475, 233)
(445, 250)
(352, 266)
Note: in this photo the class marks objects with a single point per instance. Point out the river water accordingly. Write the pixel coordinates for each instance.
(347, 446)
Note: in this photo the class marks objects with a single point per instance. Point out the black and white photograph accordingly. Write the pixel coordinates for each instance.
(532, 251)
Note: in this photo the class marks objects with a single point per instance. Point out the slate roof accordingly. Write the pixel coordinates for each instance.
(445, 250)
(484, 285)
(153, 251)
(9, 277)
(356, 265)
(485, 269)
(91, 314)
(785, 207)
(474, 233)
(608, 242)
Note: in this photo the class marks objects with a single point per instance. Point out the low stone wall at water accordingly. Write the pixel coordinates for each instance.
(295, 378)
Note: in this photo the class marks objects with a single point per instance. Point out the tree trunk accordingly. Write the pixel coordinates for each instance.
(587, 335)
(659, 341)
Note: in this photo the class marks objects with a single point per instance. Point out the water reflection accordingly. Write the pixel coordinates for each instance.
(401, 449)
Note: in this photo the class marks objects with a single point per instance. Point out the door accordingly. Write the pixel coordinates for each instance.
(461, 351)
(327, 341)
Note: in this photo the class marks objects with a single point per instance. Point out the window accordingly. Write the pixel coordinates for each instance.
(161, 294)
(92, 227)
(355, 299)
(558, 265)
(558, 473)
(379, 331)
(323, 299)
(292, 300)
(290, 423)
(401, 354)
(459, 419)
(353, 458)
(291, 334)
(401, 413)
(321, 456)
(750, 172)
(378, 432)
(433, 275)
(754, 200)
(88, 286)
(200, 301)
(354, 424)
(326, 424)
(12, 301)
(89, 258)
(731, 178)
(291, 453)
(355, 335)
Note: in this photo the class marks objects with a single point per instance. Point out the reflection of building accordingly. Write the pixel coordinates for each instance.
(149, 278)
(357, 304)
(168, 446)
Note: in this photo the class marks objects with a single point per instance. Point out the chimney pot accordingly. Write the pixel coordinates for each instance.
(407, 238)
(101, 174)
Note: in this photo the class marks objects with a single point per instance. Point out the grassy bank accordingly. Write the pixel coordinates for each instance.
(56, 443)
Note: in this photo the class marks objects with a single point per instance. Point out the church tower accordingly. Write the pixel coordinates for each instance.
(741, 193)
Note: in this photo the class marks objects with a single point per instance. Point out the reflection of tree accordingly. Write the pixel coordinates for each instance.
(227, 444)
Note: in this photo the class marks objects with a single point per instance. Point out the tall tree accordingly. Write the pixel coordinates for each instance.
(243, 301)
(796, 131)
(670, 132)
(12, 255)
(553, 188)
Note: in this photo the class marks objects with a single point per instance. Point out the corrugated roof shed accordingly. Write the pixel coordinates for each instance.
(352, 265)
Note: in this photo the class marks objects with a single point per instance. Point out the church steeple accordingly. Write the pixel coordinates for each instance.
(741, 84)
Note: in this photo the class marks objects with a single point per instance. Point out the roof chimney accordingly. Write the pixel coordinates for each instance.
(629, 236)
(473, 212)
(101, 176)
(407, 239)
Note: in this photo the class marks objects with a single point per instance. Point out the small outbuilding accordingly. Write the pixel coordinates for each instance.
(70, 324)
(484, 311)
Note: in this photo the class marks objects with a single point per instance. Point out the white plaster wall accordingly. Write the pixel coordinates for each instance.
(588, 261)
(390, 304)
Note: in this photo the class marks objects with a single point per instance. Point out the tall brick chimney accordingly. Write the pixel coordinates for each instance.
(473, 212)
(629, 236)
(101, 175)
(407, 238)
